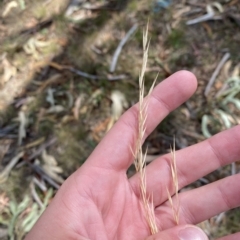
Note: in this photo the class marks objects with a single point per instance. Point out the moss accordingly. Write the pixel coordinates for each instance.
(73, 139)
(40, 12)
(176, 39)
(94, 24)
(6, 115)
(13, 190)
(20, 60)
(230, 223)
(61, 24)
(46, 128)
(138, 37)
(133, 5)
(182, 60)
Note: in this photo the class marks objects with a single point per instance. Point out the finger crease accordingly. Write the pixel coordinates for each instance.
(216, 154)
(162, 102)
(225, 198)
(188, 215)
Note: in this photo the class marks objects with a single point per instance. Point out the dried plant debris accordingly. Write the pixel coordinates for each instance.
(19, 218)
(6, 171)
(51, 167)
(9, 71)
(119, 103)
(79, 10)
(23, 121)
(9, 7)
(66, 94)
(36, 46)
(4, 202)
(120, 46)
(211, 14)
(216, 72)
(4, 147)
(225, 116)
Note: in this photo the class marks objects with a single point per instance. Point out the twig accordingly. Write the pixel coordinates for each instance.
(206, 17)
(216, 72)
(204, 180)
(193, 134)
(40, 184)
(4, 174)
(84, 74)
(35, 195)
(201, 5)
(9, 136)
(120, 46)
(41, 148)
(209, 16)
(52, 80)
(219, 218)
(44, 176)
(8, 129)
(3, 233)
(5, 132)
(233, 168)
(118, 77)
(34, 143)
(95, 77)
(37, 27)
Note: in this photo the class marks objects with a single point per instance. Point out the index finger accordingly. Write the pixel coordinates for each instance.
(114, 151)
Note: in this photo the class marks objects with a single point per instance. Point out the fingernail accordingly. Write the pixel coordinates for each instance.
(192, 233)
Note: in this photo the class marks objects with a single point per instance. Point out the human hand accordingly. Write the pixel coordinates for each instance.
(98, 201)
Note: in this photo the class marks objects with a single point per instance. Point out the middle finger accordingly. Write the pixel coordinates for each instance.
(192, 163)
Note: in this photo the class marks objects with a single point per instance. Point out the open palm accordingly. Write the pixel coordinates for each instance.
(98, 201)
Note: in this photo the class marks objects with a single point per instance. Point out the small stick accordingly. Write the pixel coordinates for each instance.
(209, 16)
(216, 72)
(44, 176)
(35, 195)
(41, 148)
(233, 168)
(84, 74)
(4, 174)
(9, 136)
(34, 143)
(95, 77)
(193, 134)
(40, 184)
(120, 46)
(204, 18)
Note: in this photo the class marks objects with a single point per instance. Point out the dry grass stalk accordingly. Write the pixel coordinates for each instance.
(140, 157)
(175, 207)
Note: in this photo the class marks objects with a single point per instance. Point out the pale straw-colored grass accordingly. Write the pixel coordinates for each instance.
(175, 207)
(140, 157)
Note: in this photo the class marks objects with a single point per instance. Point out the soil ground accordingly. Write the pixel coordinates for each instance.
(56, 89)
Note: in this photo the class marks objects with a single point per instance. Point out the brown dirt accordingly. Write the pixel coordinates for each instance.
(39, 47)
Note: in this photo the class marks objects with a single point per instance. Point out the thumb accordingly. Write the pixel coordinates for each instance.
(183, 232)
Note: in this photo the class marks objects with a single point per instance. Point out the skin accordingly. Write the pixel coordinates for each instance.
(98, 201)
